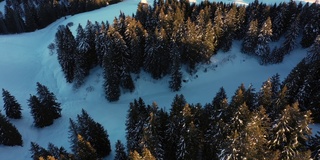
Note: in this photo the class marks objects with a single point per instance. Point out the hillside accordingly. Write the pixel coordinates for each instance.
(25, 60)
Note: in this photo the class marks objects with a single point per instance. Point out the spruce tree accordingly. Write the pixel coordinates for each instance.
(290, 133)
(250, 40)
(40, 114)
(136, 119)
(264, 37)
(66, 46)
(176, 75)
(48, 100)
(94, 133)
(9, 135)
(81, 69)
(11, 106)
(120, 151)
(85, 149)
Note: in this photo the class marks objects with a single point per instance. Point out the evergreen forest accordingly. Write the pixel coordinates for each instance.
(166, 39)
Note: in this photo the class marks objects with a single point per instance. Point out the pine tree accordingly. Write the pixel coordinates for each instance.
(41, 116)
(188, 144)
(176, 75)
(174, 125)
(81, 69)
(234, 143)
(48, 100)
(264, 37)
(120, 151)
(9, 135)
(249, 43)
(291, 36)
(265, 96)
(94, 133)
(11, 106)
(66, 46)
(290, 133)
(136, 119)
(73, 135)
(38, 151)
(85, 150)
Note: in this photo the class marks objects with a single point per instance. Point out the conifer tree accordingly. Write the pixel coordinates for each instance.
(11, 106)
(66, 45)
(176, 75)
(188, 144)
(234, 145)
(38, 151)
(94, 133)
(290, 133)
(48, 100)
(81, 69)
(9, 135)
(41, 115)
(250, 40)
(264, 37)
(85, 150)
(291, 36)
(136, 119)
(120, 151)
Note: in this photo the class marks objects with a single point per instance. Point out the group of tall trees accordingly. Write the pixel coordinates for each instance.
(28, 15)
(44, 109)
(161, 38)
(253, 125)
(88, 140)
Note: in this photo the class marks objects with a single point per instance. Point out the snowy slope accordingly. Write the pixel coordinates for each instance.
(25, 60)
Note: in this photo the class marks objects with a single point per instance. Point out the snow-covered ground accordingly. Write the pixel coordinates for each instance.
(25, 60)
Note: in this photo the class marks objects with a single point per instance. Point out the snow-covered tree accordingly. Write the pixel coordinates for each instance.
(264, 37)
(290, 133)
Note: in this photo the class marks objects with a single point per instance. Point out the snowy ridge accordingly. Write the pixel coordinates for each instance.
(25, 60)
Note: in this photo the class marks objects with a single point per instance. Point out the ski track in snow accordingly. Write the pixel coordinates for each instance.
(25, 60)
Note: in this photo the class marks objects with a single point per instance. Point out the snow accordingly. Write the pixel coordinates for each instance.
(25, 60)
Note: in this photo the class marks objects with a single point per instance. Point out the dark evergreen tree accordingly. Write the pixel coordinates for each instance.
(48, 100)
(278, 24)
(136, 119)
(249, 43)
(94, 133)
(66, 46)
(38, 151)
(120, 151)
(91, 56)
(234, 146)
(264, 37)
(81, 69)
(188, 144)
(291, 36)
(73, 135)
(85, 149)
(176, 75)
(265, 96)
(311, 29)
(11, 106)
(290, 133)
(3, 27)
(152, 133)
(9, 135)
(134, 38)
(230, 25)
(41, 116)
